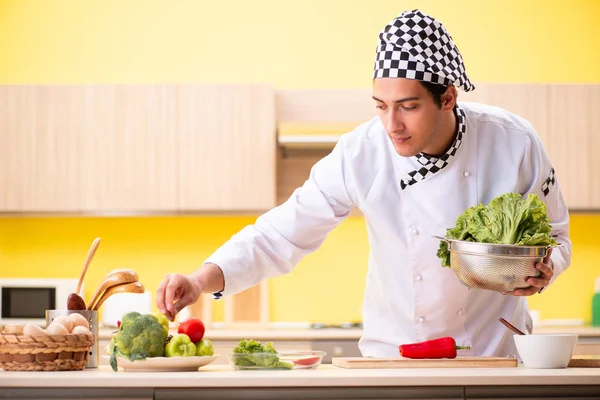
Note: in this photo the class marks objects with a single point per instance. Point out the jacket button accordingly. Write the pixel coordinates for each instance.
(419, 278)
(421, 319)
(461, 312)
(415, 231)
(467, 174)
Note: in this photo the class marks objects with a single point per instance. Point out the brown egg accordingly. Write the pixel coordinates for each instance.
(79, 320)
(56, 328)
(12, 328)
(33, 330)
(65, 321)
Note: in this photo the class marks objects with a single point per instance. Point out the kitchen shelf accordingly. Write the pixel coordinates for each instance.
(308, 141)
(311, 135)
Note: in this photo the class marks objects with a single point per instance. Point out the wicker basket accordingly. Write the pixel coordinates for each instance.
(45, 353)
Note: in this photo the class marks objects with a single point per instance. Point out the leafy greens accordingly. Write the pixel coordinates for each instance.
(507, 219)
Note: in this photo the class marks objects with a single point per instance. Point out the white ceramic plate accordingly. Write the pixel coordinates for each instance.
(164, 364)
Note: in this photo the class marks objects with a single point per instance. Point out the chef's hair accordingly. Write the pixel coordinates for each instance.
(436, 91)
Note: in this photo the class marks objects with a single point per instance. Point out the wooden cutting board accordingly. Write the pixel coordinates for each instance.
(585, 362)
(458, 362)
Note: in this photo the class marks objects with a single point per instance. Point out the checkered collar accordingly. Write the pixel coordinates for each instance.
(432, 165)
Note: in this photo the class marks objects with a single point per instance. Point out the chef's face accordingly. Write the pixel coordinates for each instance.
(413, 121)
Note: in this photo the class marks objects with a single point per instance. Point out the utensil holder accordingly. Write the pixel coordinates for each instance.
(92, 317)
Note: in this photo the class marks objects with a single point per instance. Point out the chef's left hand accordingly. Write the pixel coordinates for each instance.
(537, 284)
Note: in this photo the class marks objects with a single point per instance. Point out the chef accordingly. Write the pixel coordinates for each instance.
(411, 171)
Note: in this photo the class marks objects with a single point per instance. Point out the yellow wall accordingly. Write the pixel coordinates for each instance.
(56, 247)
(292, 44)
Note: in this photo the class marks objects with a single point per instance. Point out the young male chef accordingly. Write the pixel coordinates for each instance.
(412, 171)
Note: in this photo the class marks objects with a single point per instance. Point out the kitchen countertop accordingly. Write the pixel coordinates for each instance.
(326, 375)
(235, 334)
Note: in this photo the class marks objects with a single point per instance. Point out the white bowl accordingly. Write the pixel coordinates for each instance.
(546, 351)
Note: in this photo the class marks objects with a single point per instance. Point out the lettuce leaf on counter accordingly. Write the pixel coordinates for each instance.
(253, 353)
(507, 219)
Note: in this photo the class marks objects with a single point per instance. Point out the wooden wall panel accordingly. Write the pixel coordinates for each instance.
(293, 169)
(203, 309)
(250, 307)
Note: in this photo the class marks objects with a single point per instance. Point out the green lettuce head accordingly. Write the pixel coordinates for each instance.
(507, 219)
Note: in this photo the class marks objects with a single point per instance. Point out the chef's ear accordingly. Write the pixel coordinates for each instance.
(449, 98)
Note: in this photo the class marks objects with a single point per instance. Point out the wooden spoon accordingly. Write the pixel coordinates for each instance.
(113, 278)
(75, 301)
(511, 327)
(133, 287)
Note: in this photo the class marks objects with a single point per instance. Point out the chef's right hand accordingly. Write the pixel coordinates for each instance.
(175, 292)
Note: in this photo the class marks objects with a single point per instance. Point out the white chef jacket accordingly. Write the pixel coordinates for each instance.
(409, 296)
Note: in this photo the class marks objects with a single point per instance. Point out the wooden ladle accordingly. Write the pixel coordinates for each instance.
(75, 301)
(113, 278)
(133, 287)
(511, 327)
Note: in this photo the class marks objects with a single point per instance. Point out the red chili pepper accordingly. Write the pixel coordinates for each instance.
(436, 348)
(118, 324)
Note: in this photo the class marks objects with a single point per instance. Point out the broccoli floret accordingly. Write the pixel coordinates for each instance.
(253, 353)
(138, 337)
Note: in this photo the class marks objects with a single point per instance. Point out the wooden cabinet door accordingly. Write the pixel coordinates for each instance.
(128, 153)
(39, 148)
(565, 117)
(127, 148)
(87, 148)
(226, 147)
(573, 143)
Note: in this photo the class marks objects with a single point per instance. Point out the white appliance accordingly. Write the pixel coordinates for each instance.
(25, 300)
(118, 304)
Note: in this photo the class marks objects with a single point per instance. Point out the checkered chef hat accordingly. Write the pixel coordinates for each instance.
(417, 46)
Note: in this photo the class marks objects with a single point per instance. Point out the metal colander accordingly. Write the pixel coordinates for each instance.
(499, 267)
